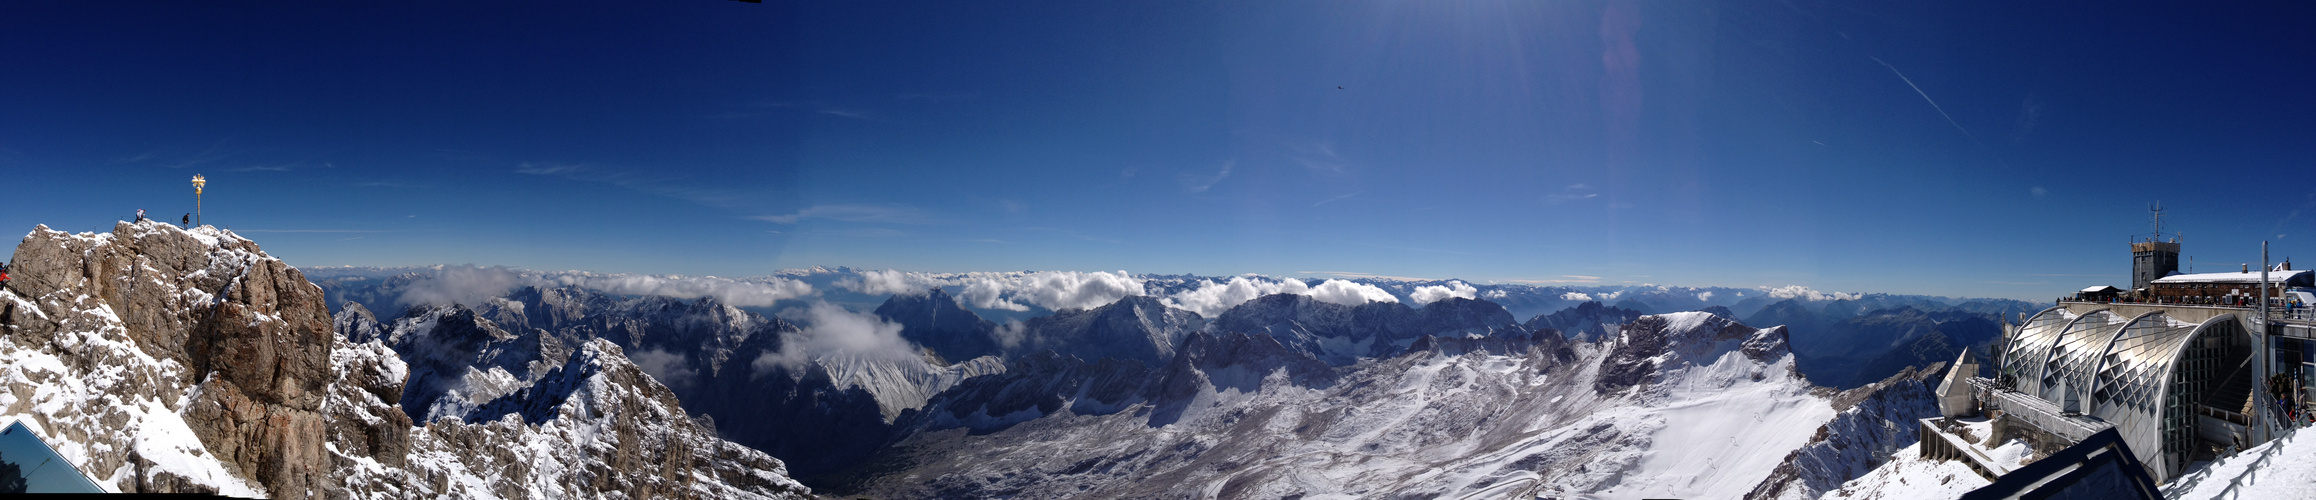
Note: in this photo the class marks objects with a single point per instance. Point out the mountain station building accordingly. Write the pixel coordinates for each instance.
(2185, 368)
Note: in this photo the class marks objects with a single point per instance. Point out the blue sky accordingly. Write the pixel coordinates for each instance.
(1955, 148)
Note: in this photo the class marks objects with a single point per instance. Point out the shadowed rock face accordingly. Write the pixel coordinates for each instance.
(248, 330)
(934, 320)
(1588, 321)
(1134, 328)
(1876, 420)
(1647, 345)
(1340, 334)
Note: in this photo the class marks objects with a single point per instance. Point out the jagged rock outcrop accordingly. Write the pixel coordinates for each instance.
(163, 359)
(1140, 328)
(598, 426)
(458, 359)
(1340, 335)
(1032, 387)
(202, 313)
(1876, 421)
(934, 320)
(722, 363)
(1638, 354)
(1589, 321)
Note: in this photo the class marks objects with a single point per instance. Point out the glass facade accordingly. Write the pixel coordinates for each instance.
(28, 465)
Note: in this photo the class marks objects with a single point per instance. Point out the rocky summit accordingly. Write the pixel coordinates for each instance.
(161, 359)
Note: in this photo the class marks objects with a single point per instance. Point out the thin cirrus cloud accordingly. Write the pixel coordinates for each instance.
(850, 212)
(1574, 192)
(1336, 199)
(1197, 183)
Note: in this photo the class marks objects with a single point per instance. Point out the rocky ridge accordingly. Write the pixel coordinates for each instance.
(161, 359)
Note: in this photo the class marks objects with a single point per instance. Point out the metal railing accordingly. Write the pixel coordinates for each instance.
(2251, 473)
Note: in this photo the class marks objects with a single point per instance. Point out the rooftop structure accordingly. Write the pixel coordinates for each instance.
(2173, 368)
(2168, 386)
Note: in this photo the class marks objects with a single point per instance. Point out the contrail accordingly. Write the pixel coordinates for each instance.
(1926, 98)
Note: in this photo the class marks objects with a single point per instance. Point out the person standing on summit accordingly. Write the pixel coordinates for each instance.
(3, 276)
(140, 215)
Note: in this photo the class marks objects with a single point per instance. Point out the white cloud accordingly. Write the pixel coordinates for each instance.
(755, 292)
(1494, 294)
(1055, 290)
(889, 282)
(1010, 334)
(1210, 299)
(832, 330)
(1610, 295)
(1574, 192)
(463, 285)
(988, 294)
(1575, 296)
(1435, 293)
(1705, 296)
(1350, 294)
(1805, 293)
(1201, 183)
(472, 285)
(666, 367)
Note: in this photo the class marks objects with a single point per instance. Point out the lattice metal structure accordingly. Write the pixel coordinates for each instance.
(2067, 372)
(2163, 383)
(2030, 347)
(2131, 392)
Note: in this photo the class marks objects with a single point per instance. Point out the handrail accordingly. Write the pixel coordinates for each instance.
(2252, 470)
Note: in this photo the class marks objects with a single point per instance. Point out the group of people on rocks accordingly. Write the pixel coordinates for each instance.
(186, 221)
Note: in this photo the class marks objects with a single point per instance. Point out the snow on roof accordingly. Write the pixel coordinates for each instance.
(2250, 277)
(2102, 288)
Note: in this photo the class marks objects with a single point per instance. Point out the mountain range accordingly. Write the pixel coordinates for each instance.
(236, 377)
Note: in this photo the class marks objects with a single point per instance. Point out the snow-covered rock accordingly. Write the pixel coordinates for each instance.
(1908, 476)
(163, 359)
(1586, 322)
(1250, 416)
(1341, 335)
(1875, 423)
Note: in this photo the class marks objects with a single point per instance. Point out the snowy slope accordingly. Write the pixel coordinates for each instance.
(1907, 476)
(1710, 415)
(2284, 468)
(1874, 423)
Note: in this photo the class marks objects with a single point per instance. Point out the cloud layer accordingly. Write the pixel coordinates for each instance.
(1435, 293)
(1055, 290)
(1210, 299)
(472, 285)
(1805, 293)
(831, 330)
(1350, 294)
(890, 282)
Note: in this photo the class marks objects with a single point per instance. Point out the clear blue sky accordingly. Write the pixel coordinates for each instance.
(1688, 143)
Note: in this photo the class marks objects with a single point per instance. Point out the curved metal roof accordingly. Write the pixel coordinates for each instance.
(2123, 370)
(2031, 346)
(2136, 381)
(2076, 354)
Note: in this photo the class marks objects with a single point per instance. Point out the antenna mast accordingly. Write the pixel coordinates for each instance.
(2155, 218)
